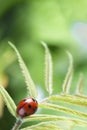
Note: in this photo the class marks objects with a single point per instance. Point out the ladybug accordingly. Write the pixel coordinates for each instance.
(27, 107)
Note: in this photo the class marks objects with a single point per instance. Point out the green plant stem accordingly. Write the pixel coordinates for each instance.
(17, 124)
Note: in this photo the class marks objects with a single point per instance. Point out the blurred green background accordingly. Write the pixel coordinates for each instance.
(28, 22)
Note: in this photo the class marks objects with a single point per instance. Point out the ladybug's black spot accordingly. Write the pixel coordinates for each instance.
(34, 100)
(29, 106)
(34, 109)
(25, 114)
(24, 100)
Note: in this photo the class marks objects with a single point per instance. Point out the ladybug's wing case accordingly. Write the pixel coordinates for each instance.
(20, 105)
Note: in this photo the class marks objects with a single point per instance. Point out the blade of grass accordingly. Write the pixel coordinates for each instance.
(48, 69)
(29, 82)
(8, 101)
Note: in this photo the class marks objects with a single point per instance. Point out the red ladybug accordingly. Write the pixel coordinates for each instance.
(27, 107)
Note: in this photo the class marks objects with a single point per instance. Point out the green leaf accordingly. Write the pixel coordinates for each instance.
(8, 101)
(68, 79)
(29, 82)
(48, 69)
(79, 90)
(63, 109)
(44, 126)
(45, 117)
(70, 99)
